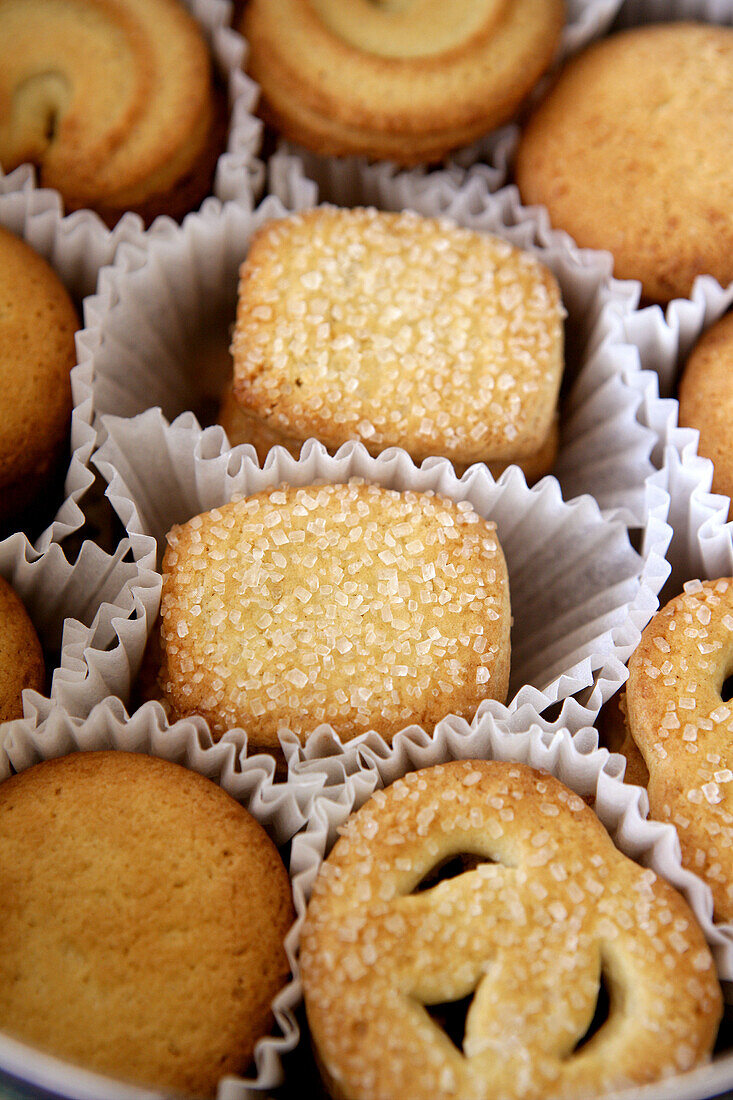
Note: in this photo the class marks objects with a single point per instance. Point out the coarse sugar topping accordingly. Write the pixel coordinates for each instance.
(349, 604)
(398, 330)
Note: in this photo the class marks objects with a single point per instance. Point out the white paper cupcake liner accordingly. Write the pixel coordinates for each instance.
(158, 330)
(76, 247)
(336, 177)
(239, 173)
(280, 808)
(580, 594)
(95, 614)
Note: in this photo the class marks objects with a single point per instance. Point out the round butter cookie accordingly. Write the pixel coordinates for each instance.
(37, 352)
(632, 151)
(706, 400)
(684, 730)
(112, 100)
(21, 657)
(349, 604)
(494, 886)
(399, 330)
(142, 917)
(404, 82)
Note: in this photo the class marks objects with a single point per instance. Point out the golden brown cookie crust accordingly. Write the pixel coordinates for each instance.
(37, 352)
(614, 735)
(528, 931)
(632, 151)
(111, 99)
(348, 604)
(398, 330)
(706, 400)
(352, 77)
(21, 657)
(684, 730)
(142, 916)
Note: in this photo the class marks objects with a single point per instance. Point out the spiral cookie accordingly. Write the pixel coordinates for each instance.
(398, 330)
(706, 400)
(544, 907)
(21, 657)
(37, 352)
(401, 81)
(684, 730)
(632, 151)
(142, 919)
(349, 604)
(112, 100)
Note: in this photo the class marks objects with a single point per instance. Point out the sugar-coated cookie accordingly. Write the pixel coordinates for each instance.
(404, 82)
(142, 917)
(112, 100)
(399, 330)
(706, 400)
(21, 656)
(536, 908)
(349, 604)
(684, 730)
(614, 735)
(37, 352)
(632, 151)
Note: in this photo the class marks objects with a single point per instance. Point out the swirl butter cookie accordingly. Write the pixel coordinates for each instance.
(348, 604)
(398, 330)
(21, 657)
(142, 918)
(684, 729)
(706, 400)
(112, 100)
(37, 352)
(404, 82)
(539, 910)
(632, 151)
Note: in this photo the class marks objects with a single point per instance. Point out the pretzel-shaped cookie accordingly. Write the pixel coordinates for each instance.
(551, 906)
(684, 730)
(404, 80)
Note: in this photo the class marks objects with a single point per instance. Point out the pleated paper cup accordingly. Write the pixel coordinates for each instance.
(281, 809)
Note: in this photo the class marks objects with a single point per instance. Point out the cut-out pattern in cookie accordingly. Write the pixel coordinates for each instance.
(528, 935)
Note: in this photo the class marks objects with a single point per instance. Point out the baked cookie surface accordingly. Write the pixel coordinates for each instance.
(706, 400)
(21, 657)
(538, 909)
(348, 604)
(632, 151)
(399, 330)
(403, 82)
(684, 730)
(142, 916)
(37, 352)
(112, 101)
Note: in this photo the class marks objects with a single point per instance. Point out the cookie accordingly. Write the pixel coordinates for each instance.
(142, 916)
(21, 657)
(401, 82)
(632, 151)
(494, 884)
(113, 102)
(398, 330)
(37, 352)
(348, 604)
(706, 400)
(614, 734)
(684, 730)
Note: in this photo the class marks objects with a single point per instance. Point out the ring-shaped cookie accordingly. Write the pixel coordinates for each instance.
(706, 400)
(684, 730)
(549, 905)
(407, 82)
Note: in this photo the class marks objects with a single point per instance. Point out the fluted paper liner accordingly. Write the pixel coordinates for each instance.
(280, 808)
(157, 332)
(336, 177)
(580, 594)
